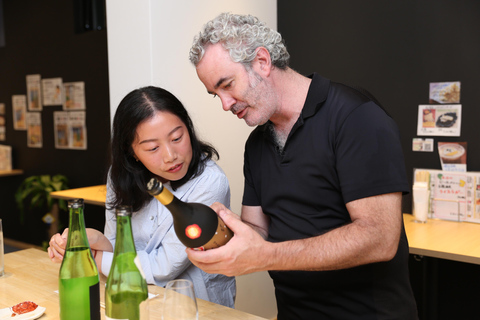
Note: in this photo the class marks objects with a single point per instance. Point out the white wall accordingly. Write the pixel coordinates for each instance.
(148, 44)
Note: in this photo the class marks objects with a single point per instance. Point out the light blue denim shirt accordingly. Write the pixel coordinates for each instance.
(161, 254)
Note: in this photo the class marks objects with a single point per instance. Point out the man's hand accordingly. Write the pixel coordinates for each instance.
(244, 253)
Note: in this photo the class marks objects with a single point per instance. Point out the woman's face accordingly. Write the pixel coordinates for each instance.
(162, 145)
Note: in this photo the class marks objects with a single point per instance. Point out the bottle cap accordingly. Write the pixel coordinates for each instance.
(75, 203)
(123, 211)
(154, 186)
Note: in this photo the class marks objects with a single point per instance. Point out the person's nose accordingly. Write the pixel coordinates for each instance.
(227, 102)
(169, 154)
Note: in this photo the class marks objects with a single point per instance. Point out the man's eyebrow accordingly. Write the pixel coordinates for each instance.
(219, 83)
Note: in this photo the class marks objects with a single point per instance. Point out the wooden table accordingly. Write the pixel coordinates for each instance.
(96, 195)
(451, 240)
(30, 275)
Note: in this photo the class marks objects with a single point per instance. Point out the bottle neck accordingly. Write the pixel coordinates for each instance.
(77, 235)
(165, 196)
(124, 238)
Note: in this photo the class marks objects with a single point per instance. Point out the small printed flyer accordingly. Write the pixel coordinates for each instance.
(444, 92)
(52, 92)
(19, 110)
(453, 156)
(450, 195)
(423, 145)
(34, 130)
(60, 123)
(2, 122)
(74, 96)
(34, 97)
(70, 130)
(78, 130)
(439, 120)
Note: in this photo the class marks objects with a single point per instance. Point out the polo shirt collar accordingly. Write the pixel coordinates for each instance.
(317, 94)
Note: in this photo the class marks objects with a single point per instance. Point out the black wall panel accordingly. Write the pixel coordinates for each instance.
(394, 49)
(41, 39)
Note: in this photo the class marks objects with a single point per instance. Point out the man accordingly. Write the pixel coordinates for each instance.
(324, 177)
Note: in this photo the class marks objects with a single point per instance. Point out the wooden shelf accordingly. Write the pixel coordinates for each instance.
(14, 172)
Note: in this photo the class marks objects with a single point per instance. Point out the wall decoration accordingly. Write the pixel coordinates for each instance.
(2, 122)
(5, 158)
(60, 123)
(19, 109)
(34, 94)
(444, 92)
(439, 120)
(34, 130)
(78, 130)
(423, 145)
(52, 92)
(453, 156)
(74, 95)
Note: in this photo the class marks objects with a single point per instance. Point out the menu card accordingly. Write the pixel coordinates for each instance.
(453, 195)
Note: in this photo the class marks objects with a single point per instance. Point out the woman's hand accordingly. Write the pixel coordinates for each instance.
(57, 245)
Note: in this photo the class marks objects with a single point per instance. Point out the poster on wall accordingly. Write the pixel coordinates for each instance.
(74, 93)
(34, 96)
(34, 130)
(453, 156)
(439, 120)
(444, 92)
(19, 109)
(60, 123)
(52, 92)
(2, 122)
(77, 130)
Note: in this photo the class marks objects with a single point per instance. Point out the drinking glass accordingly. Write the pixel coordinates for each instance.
(2, 272)
(179, 301)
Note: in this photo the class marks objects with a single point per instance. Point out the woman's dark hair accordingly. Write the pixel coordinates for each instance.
(128, 176)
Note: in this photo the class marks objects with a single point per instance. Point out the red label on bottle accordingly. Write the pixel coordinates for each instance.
(193, 231)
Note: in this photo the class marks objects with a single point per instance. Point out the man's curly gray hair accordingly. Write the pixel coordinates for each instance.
(241, 35)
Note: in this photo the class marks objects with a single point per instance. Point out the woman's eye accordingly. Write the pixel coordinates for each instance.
(153, 149)
(177, 139)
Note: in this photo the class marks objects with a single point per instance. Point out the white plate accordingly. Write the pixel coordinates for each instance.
(7, 314)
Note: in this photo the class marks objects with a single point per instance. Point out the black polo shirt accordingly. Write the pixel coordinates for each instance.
(342, 148)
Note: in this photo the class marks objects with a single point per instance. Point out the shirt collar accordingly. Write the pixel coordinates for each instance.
(317, 94)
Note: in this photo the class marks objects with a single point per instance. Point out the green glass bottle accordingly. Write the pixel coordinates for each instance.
(126, 285)
(79, 283)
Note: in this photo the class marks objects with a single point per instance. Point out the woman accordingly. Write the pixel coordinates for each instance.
(153, 135)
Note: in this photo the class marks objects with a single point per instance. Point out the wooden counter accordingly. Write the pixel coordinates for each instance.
(457, 241)
(96, 195)
(30, 275)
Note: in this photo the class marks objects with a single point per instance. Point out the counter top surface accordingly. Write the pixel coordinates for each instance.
(96, 195)
(31, 276)
(458, 241)
(451, 240)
